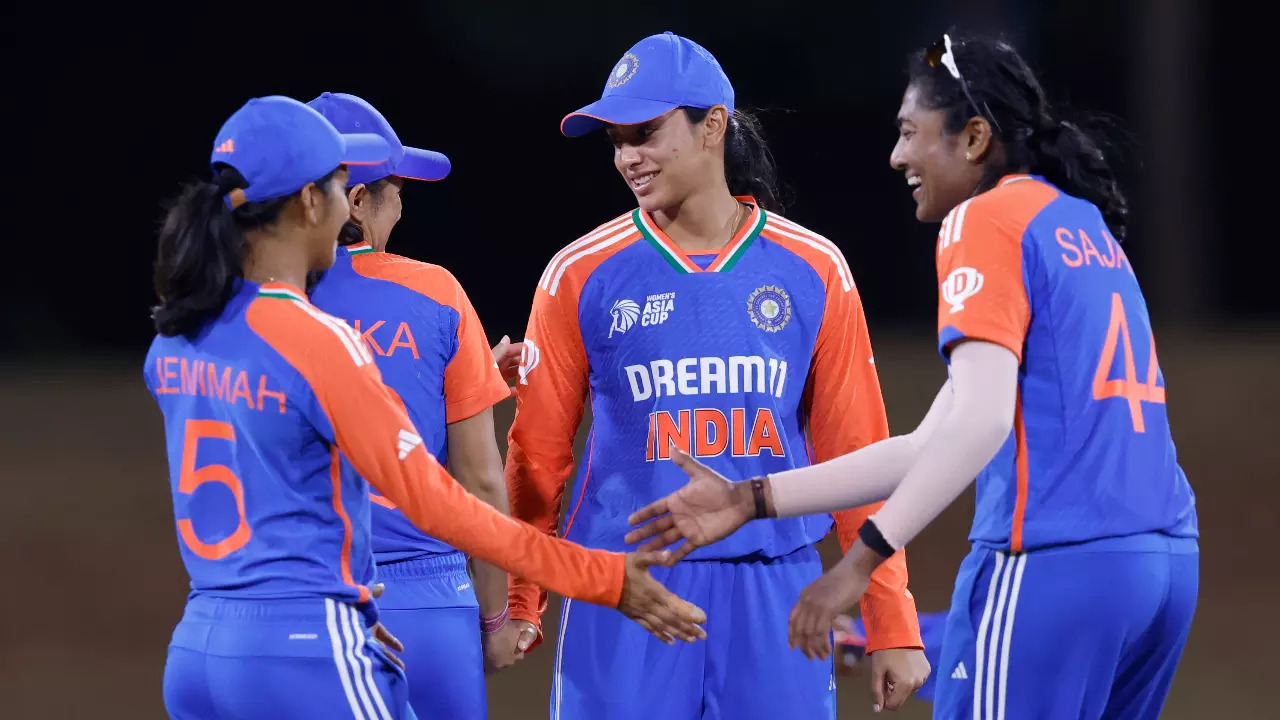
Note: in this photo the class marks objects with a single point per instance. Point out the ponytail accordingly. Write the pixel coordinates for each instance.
(748, 164)
(200, 256)
(1070, 158)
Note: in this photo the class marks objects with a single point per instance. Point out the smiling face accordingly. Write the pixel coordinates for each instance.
(941, 168)
(666, 159)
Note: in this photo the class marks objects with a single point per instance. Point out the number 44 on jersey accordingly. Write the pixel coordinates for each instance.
(1132, 390)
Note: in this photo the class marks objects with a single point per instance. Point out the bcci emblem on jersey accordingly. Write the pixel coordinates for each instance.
(624, 70)
(769, 307)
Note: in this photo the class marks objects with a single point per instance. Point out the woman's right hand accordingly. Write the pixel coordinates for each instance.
(506, 355)
(656, 609)
(707, 509)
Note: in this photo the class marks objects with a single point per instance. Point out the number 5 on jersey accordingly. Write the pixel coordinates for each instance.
(193, 477)
(1129, 388)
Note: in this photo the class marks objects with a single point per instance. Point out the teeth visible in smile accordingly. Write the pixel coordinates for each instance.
(643, 180)
(914, 181)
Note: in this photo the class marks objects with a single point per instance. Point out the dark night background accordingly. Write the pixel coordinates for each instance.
(109, 107)
(128, 113)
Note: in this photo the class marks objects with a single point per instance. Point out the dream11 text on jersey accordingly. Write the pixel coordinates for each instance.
(708, 432)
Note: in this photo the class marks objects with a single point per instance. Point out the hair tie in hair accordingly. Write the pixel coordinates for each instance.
(228, 184)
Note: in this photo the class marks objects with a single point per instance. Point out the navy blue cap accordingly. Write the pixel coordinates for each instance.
(349, 113)
(279, 145)
(658, 74)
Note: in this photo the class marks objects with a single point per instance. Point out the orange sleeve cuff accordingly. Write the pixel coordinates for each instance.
(483, 398)
(528, 602)
(888, 608)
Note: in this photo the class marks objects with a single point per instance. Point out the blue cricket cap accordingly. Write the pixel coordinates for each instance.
(279, 145)
(658, 74)
(351, 114)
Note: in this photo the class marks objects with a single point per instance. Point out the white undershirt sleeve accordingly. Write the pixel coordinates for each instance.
(984, 378)
(865, 476)
(923, 472)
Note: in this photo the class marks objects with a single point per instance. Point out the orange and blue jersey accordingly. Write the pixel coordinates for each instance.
(266, 506)
(430, 347)
(276, 420)
(1091, 456)
(755, 360)
(275, 414)
(1084, 526)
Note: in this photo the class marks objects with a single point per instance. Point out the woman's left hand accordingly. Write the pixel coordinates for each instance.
(813, 616)
(384, 636)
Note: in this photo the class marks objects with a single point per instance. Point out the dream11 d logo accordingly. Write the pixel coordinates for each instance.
(962, 284)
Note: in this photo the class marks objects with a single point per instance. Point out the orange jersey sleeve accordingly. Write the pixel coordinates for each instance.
(372, 428)
(472, 382)
(845, 412)
(981, 292)
(550, 397)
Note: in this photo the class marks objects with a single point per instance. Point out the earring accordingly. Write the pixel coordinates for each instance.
(968, 156)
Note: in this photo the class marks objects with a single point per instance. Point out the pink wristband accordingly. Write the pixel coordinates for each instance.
(495, 623)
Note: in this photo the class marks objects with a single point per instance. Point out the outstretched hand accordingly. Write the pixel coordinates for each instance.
(708, 509)
(664, 614)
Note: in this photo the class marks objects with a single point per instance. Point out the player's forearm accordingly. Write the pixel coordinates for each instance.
(474, 460)
(860, 478)
(442, 508)
(888, 609)
(985, 380)
(534, 490)
(535, 485)
(368, 419)
(437, 504)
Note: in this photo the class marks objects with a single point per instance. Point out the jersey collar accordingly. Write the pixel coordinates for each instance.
(1016, 177)
(728, 256)
(281, 290)
(359, 248)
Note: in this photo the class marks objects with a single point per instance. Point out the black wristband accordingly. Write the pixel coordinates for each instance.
(757, 493)
(872, 538)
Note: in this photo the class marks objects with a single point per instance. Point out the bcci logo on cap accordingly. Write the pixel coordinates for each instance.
(962, 284)
(624, 70)
(769, 307)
